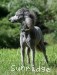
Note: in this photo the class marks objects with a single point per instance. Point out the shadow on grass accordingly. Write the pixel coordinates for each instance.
(53, 64)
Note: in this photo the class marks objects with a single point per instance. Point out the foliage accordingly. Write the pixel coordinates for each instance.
(3, 11)
(9, 33)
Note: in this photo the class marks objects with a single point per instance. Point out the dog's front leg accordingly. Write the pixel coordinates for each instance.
(33, 57)
(22, 45)
(28, 55)
(22, 55)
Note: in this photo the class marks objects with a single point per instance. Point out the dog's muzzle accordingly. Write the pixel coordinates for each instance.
(14, 18)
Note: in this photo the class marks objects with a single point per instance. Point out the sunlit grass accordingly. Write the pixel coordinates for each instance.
(11, 57)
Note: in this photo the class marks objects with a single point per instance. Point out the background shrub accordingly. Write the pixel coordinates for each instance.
(9, 32)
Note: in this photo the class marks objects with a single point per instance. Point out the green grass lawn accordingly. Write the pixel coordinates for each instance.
(10, 63)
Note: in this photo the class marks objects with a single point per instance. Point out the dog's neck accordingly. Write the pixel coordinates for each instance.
(25, 24)
(25, 28)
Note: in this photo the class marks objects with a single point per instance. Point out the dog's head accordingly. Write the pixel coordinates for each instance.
(24, 14)
(19, 15)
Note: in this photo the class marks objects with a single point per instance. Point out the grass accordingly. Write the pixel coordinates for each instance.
(10, 63)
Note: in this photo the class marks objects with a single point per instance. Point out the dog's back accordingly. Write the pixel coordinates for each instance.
(37, 34)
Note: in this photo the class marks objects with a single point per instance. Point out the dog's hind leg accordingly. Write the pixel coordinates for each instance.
(42, 47)
(44, 52)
